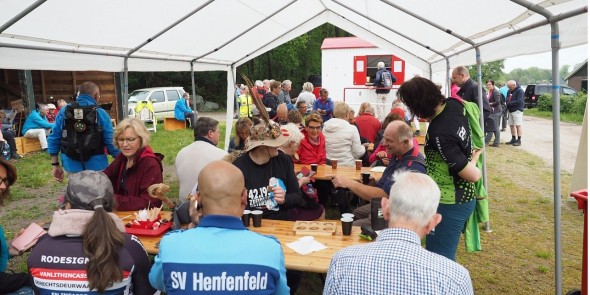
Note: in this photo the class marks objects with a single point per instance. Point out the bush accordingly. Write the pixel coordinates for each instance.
(569, 104)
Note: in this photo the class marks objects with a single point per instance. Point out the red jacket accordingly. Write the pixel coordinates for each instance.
(368, 126)
(146, 171)
(380, 148)
(310, 153)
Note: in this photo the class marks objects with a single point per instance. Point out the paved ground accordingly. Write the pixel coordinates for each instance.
(537, 139)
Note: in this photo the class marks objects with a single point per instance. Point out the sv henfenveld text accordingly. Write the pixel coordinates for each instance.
(222, 282)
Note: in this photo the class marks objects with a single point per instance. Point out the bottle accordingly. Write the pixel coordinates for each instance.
(6, 151)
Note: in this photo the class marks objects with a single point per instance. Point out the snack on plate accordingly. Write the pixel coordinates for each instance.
(147, 218)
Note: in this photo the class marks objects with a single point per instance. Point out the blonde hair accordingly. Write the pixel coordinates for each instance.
(363, 107)
(137, 126)
(307, 86)
(341, 110)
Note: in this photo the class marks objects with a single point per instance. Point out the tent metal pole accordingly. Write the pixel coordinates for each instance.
(392, 30)
(448, 79)
(556, 135)
(484, 173)
(22, 14)
(551, 20)
(174, 24)
(194, 90)
(244, 31)
(229, 114)
(556, 159)
(99, 53)
(125, 87)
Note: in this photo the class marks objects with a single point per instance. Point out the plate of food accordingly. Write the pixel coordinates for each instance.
(148, 222)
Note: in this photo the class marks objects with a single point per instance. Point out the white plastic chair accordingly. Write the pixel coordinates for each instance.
(148, 117)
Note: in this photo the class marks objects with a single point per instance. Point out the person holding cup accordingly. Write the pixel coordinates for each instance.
(411, 213)
(269, 176)
(398, 139)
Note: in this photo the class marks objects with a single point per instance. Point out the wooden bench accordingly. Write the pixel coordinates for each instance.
(173, 124)
(25, 145)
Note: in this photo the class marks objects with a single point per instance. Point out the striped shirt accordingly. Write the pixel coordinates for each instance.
(395, 263)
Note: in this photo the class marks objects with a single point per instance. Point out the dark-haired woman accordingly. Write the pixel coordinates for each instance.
(10, 283)
(86, 248)
(450, 159)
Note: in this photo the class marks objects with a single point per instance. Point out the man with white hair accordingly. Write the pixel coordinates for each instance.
(396, 263)
(384, 79)
(515, 104)
(285, 96)
(36, 125)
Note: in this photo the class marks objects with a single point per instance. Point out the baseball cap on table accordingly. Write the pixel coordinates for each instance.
(88, 189)
(266, 134)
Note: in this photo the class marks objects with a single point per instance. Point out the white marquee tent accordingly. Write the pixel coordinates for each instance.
(206, 35)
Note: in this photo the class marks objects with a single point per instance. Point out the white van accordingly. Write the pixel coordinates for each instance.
(163, 100)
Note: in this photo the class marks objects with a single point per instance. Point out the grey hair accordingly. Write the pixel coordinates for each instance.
(511, 82)
(413, 197)
(285, 83)
(307, 86)
(43, 107)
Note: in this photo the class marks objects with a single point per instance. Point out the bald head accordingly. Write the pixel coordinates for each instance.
(282, 112)
(398, 138)
(221, 189)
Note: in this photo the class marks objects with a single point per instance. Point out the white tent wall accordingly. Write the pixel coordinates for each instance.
(222, 34)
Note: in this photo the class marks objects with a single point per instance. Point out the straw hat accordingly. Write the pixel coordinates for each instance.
(266, 134)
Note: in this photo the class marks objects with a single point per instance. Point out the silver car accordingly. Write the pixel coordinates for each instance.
(163, 100)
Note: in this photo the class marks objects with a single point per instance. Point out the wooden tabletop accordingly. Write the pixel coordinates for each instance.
(318, 261)
(325, 172)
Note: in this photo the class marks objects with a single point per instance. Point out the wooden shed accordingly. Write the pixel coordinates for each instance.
(16, 87)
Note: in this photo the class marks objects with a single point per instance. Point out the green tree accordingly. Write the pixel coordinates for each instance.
(564, 71)
(492, 70)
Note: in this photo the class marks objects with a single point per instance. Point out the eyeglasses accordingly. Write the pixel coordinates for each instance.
(315, 127)
(129, 140)
(4, 181)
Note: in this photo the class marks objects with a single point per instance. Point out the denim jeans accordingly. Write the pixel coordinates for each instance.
(445, 236)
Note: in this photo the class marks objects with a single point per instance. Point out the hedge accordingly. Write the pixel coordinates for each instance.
(573, 104)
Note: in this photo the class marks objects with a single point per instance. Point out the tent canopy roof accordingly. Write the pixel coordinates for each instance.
(217, 34)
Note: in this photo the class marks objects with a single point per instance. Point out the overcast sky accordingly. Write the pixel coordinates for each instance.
(568, 56)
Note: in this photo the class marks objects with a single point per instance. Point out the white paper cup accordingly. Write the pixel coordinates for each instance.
(347, 215)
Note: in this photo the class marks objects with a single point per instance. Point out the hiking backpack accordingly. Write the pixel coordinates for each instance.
(386, 79)
(81, 136)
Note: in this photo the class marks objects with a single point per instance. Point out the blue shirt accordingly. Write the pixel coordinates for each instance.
(96, 162)
(219, 256)
(180, 109)
(328, 106)
(386, 180)
(36, 121)
(395, 263)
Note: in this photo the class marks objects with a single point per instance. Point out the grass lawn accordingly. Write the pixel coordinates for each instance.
(517, 257)
(564, 117)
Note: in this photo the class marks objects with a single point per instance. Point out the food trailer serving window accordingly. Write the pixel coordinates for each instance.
(365, 68)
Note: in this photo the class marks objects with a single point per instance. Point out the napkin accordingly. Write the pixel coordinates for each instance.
(306, 245)
(379, 169)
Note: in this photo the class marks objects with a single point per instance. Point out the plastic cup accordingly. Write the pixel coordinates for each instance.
(334, 164)
(366, 176)
(246, 218)
(256, 218)
(314, 167)
(347, 215)
(359, 164)
(346, 225)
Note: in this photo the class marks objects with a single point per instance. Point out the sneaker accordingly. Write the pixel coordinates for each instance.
(44, 150)
(516, 143)
(16, 156)
(503, 129)
(511, 141)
